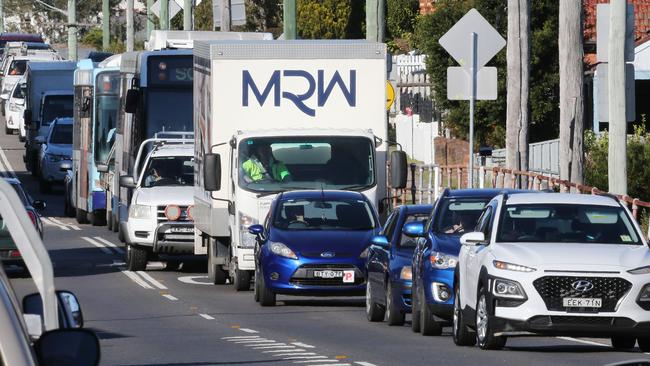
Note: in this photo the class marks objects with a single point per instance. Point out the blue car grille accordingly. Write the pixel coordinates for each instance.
(304, 276)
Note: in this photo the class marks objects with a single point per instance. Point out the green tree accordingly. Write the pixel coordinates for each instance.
(401, 17)
(264, 16)
(323, 19)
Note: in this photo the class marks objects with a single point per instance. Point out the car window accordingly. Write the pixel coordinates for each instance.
(456, 216)
(407, 241)
(324, 214)
(389, 226)
(485, 223)
(62, 134)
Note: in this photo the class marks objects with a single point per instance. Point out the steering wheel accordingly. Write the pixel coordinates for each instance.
(298, 222)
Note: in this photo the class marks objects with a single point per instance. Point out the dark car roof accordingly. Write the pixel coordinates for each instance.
(416, 209)
(321, 194)
(485, 192)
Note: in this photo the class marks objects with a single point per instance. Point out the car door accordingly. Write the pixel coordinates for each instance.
(471, 258)
(378, 258)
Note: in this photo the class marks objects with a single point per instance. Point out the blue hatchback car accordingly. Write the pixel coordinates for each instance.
(388, 293)
(313, 243)
(436, 255)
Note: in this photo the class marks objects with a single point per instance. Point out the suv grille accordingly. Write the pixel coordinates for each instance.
(162, 218)
(555, 288)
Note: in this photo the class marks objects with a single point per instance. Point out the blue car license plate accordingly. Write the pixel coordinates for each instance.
(328, 274)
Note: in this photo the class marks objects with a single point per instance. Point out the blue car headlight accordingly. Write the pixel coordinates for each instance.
(282, 250)
(56, 158)
(443, 261)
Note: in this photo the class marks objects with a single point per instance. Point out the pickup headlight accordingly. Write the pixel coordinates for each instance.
(406, 273)
(512, 267)
(442, 260)
(247, 239)
(508, 289)
(282, 250)
(14, 108)
(141, 211)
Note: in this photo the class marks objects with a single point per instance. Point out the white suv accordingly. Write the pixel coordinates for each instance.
(553, 264)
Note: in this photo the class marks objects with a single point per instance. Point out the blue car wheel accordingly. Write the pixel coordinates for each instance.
(266, 296)
(394, 316)
(374, 311)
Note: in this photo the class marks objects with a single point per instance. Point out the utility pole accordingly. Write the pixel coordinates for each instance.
(225, 16)
(164, 14)
(187, 14)
(2, 16)
(106, 25)
(150, 25)
(72, 30)
(375, 19)
(130, 34)
(518, 59)
(617, 162)
(289, 19)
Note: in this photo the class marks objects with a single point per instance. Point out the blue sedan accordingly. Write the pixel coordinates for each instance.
(388, 293)
(313, 243)
(456, 212)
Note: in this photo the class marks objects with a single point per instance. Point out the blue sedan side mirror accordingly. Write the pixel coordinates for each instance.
(413, 229)
(256, 229)
(380, 241)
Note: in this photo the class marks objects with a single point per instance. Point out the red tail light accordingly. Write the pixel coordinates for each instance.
(32, 216)
(14, 254)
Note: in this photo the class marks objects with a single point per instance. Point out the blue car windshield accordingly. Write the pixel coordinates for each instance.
(457, 216)
(62, 134)
(319, 214)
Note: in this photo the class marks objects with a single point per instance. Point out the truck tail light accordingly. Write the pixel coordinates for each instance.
(172, 212)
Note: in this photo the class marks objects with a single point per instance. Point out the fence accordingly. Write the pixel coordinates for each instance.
(543, 157)
(416, 138)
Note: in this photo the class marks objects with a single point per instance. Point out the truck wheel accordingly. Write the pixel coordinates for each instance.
(461, 334)
(374, 311)
(242, 280)
(428, 325)
(484, 333)
(109, 221)
(136, 258)
(81, 216)
(415, 311)
(394, 315)
(21, 138)
(96, 218)
(8, 131)
(216, 274)
(267, 297)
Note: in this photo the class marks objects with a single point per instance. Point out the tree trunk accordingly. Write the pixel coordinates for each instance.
(571, 91)
(617, 160)
(518, 57)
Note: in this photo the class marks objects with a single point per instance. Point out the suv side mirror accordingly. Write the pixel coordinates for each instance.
(398, 169)
(131, 103)
(473, 238)
(39, 139)
(27, 116)
(413, 229)
(39, 205)
(127, 181)
(380, 241)
(68, 346)
(212, 172)
(70, 315)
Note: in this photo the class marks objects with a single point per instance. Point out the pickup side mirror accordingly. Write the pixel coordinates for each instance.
(473, 238)
(70, 315)
(398, 169)
(127, 181)
(380, 241)
(68, 347)
(39, 205)
(131, 102)
(413, 229)
(64, 167)
(20, 101)
(4, 96)
(256, 229)
(212, 172)
(102, 168)
(39, 139)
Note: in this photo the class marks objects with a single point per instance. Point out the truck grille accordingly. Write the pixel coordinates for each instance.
(304, 275)
(162, 218)
(553, 289)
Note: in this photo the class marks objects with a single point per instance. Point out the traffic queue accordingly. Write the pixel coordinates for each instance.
(271, 158)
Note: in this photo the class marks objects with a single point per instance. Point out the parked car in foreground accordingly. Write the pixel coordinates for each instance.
(388, 292)
(313, 243)
(56, 149)
(553, 264)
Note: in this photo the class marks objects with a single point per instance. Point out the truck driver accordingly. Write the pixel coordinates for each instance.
(262, 166)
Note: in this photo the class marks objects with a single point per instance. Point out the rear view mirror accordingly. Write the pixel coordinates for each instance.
(212, 172)
(4, 96)
(398, 169)
(39, 139)
(127, 181)
(132, 99)
(256, 229)
(380, 241)
(68, 347)
(70, 315)
(27, 116)
(473, 238)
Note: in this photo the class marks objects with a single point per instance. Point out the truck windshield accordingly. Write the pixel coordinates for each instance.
(62, 134)
(169, 171)
(169, 110)
(321, 214)
(56, 106)
(284, 163)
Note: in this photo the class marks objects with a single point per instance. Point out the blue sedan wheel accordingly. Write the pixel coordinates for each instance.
(394, 314)
(415, 311)
(266, 296)
(374, 311)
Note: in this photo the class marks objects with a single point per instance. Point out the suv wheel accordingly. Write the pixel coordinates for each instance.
(136, 258)
(461, 333)
(623, 343)
(374, 311)
(644, 344)
(267, 297)
(415, 310)
(484, 335)
(394, 314)
(428, 325)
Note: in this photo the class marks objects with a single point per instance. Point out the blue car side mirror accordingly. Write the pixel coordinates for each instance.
(413, 229)
(380, 241)
(256, 229)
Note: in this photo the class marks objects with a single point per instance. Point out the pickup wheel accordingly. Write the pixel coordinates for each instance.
(484, 333)
(96, 218)
(136, 258)
(267, 297)
(394, 315)
(374, 311)
(415, 311)
(428, 325)
(242, 280)
(622, 343)
(216, 274)
(461, 333)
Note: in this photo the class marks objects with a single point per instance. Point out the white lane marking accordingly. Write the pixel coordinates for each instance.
(332, 364)
(281, 345)
(582, 341)
(136, 279)
(206, 316)
(108, 243)
(363, 363)
(302, 345)
(170, 297)
(59, 222)
(151, 280)
(246, 330)
(238, 337)
(48, 221)
(9, 168)
(101, 246)
(75, 227)
(116, 263)
(253, 342)
(304, 357)
(284, 350)
(192, 280)
(293, 353)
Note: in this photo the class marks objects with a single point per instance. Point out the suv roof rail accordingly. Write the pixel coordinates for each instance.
(445, 192)
(610, 195)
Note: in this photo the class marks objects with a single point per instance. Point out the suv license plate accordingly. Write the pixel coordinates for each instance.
(571, 302)
(328, 274)
(181, 230)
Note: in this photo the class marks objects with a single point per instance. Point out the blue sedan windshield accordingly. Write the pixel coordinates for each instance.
(318, 214)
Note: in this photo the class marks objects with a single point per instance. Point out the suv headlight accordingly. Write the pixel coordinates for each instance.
(512, 267)
(443, 261)
(247, 240)
(56, 158)
(640, 270)
(282, 250)
(140, 211)
(508, 289)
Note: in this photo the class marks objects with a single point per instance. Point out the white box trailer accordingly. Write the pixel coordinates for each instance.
(321, 108)
(177, 39)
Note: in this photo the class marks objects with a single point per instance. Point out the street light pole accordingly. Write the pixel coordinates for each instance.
(150, 25)
(106, 25)
(375, 20)
(2, 16)
(130, 33)
(164, 14)
(617, 163)
(289, 19)
(188, 11)
(225, 16)
(72, 30)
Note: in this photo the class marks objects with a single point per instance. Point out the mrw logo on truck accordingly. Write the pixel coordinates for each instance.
(317, 85)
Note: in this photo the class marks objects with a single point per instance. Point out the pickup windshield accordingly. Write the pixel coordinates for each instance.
(319, 214)
(169, 171)
(287, 163)
(562, 223)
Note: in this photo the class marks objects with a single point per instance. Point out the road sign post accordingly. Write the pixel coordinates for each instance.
(472, 100)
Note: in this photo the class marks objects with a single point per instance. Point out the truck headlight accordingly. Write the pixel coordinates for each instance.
(140, 211)
(247, 240)
(406, 273)
(282, 250)
(508, 289)
(443, 261)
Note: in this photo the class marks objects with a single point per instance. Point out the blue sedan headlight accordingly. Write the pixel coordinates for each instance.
(282, 250)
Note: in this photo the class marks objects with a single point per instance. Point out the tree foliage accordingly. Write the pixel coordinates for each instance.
(401, 18)
(325, 19)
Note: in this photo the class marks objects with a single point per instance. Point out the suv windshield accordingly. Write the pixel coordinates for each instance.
(553, 223)
(318, 214)
(62, 134)
(169, 171)
(56, 106)
(283, 163)
(457, 216)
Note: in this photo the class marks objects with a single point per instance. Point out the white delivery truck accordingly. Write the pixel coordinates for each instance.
(275, 116)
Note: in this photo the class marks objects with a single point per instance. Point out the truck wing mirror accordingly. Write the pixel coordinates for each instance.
(131, 103)
(398, 169)
(127, 181)
(212, 172)
(102, 168)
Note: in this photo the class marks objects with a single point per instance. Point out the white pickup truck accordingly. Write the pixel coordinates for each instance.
(160, 219)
